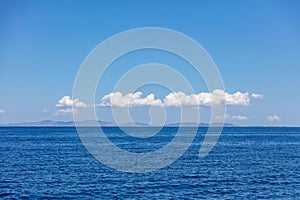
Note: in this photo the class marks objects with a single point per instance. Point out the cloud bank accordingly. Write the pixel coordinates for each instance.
(175, 99)
(203, 99)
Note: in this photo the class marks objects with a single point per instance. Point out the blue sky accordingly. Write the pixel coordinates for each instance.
(255, 44)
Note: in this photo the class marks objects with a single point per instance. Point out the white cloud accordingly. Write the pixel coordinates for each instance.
(274, 118)
(214, 98)
(44, 110)
(257, 96)
(239, 117)
(234, 117)
(2, 111)
(237, 98)
(67, 111)
(129, 100)
(68, 106)
(66, 101)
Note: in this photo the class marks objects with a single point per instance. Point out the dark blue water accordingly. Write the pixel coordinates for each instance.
(246, 163)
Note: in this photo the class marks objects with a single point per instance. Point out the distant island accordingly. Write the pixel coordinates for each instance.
(91, 123)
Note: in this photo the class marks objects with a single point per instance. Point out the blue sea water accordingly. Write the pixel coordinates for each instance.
(246, 163)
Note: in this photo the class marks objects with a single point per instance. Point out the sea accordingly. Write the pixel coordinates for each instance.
(246, 163)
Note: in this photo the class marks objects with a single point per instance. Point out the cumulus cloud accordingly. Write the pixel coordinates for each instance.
(2, 111)
(176, 99)
(129, 100)
(274, 118)
(68, 106)
(66, 101)
(67, 111)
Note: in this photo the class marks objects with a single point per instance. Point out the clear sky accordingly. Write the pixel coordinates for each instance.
(255, 44)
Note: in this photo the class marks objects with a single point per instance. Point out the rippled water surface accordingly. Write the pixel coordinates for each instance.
(246, 163)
